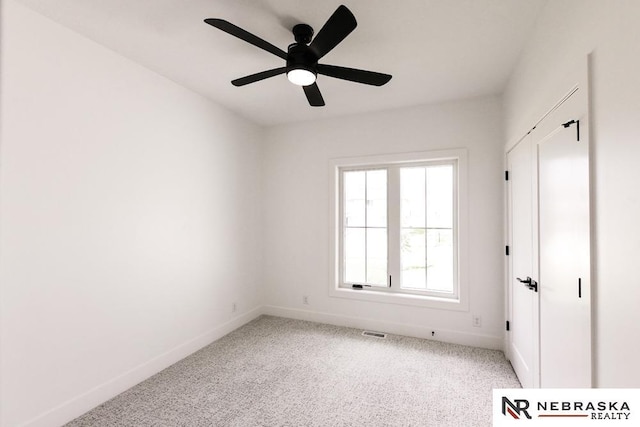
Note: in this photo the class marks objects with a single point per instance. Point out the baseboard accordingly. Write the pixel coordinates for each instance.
(454, 337)
(84, 402)
(78, 405)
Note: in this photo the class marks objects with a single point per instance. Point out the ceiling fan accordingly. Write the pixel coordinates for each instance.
(302, 57)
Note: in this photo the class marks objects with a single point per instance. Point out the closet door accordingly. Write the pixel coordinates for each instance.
(564, 246)
(523, 299)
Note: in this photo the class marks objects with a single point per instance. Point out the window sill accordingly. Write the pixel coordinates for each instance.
(401, 299)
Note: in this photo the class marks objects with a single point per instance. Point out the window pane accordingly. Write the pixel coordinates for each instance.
(440, 260)
(412, 194)
(413, 259)
(377, 198)
(377, 256)
(354, 255)
(440, 196)
(354, 202)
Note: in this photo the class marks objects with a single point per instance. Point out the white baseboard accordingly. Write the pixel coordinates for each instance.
(454, 337)
(84, 402)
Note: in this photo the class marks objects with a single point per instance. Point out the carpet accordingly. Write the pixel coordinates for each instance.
(283, 372)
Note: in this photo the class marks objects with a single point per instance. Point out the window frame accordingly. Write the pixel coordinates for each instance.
(393, 163)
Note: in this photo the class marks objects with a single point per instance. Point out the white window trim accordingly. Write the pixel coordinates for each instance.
(461, 303)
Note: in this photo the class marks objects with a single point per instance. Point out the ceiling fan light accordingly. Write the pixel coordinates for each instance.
(301, 77)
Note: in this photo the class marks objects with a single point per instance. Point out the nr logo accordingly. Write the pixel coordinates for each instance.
(516, 409)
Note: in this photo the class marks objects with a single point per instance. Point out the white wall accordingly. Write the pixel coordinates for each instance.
(296, 218)
(567, 30)
(129, 221)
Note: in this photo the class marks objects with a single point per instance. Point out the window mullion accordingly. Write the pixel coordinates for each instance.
(393, 225)
(426, 231)
(366, 229)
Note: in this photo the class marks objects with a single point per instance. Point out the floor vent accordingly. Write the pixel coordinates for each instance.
(374, 334)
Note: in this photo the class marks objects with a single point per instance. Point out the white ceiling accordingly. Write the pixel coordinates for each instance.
(436, 50)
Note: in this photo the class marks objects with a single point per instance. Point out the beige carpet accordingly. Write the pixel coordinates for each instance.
(283, 372)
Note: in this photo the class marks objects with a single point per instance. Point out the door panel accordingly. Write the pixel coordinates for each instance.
(523, 301)
(564, 260)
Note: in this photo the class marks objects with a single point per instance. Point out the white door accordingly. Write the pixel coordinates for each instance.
(523, 301)
(564, 248)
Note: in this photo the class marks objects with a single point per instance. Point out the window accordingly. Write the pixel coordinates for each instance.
(427, 215)
(364, 233)
(397, 228)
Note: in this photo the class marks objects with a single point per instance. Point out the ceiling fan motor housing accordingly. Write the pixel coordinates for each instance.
(301, 57)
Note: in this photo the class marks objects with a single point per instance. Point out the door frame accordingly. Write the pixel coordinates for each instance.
(577, 80)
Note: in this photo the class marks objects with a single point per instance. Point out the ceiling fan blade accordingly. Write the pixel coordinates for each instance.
(337, 27)
(234, 30)
(354, 75)
(258, 76)
(313, 95)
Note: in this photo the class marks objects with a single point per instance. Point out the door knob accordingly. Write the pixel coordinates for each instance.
(529, 283)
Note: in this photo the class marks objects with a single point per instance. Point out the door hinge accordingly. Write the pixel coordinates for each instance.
(506, 175)
(577, 122)
(508, 326)
(506, 250)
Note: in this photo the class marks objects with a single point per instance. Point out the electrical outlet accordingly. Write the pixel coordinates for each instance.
(234, 307)
(476, 321)
(305, 300)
